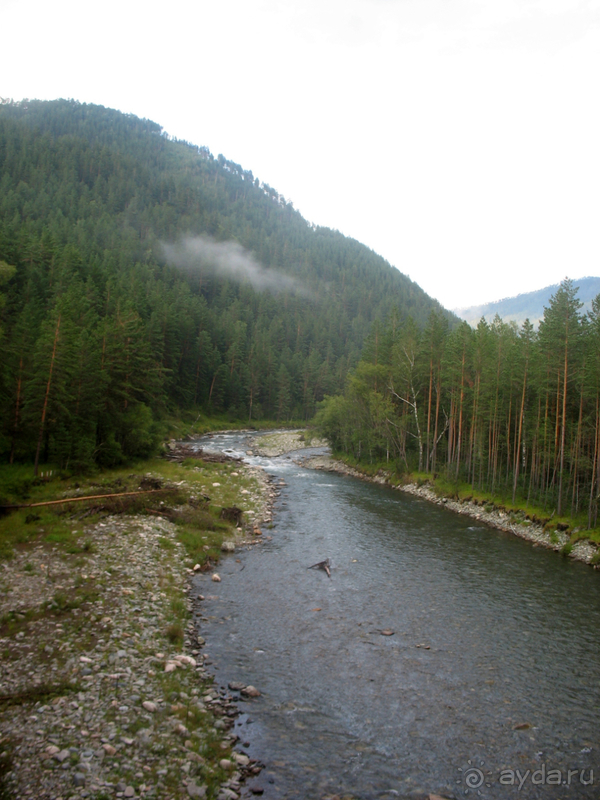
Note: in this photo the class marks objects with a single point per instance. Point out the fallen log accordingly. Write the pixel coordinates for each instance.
(88, 497)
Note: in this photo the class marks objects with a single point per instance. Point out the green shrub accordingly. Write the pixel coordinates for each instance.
(174, 633)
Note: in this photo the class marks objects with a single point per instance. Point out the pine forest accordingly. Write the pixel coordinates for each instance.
(140, 275)
(514, 413)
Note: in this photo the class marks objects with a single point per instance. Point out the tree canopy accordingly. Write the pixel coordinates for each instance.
(503, 408)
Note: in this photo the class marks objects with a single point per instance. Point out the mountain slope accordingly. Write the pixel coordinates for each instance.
(529, 305)
(150, 275)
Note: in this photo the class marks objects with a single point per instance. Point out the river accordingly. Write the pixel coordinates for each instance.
(490, 681)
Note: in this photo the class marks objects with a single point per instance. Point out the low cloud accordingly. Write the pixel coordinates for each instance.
(229, 260)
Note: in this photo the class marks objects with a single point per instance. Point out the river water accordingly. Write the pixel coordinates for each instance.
(490, 681)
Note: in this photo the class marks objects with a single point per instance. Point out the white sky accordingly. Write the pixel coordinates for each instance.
(460, 139)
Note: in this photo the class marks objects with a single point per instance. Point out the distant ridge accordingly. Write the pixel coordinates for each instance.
(529, 305)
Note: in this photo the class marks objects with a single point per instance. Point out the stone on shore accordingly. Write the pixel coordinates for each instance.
(196, 791)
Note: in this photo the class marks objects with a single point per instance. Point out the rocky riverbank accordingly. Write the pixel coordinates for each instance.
(103, 690)
(496, 518)
(280, 442)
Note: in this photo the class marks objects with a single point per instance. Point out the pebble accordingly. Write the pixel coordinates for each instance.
(227, 794)
(216, 577)
(250, 691)
(183, 659)
(181, 730)
(196, 791)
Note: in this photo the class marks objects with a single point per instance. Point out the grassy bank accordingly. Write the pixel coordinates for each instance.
(210, 487)
(190, 424)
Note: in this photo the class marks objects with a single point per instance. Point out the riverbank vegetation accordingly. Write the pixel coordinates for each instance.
(501, 414)
(192, 494)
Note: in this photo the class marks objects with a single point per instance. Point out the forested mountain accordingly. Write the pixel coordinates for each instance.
(511, 411)
(529, 305)
(141, 274)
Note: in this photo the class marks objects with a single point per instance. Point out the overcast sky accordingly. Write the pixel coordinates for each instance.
(460, 139)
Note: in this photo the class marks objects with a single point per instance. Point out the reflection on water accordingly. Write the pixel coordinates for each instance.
(493, 666)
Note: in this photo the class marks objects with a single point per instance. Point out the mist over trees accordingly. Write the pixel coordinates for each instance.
(107, 323)
(511, 411)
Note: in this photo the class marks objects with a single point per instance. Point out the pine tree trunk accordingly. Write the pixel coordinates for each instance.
(563, 431)
(519, 434)
(429, 414)
(45, 408)
(17, 407)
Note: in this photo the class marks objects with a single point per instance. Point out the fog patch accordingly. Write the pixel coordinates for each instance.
(229, 260)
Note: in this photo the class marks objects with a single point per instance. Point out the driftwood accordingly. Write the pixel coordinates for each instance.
(324, 565)
(179, 453)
